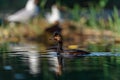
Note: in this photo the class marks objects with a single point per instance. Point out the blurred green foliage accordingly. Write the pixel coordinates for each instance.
(12, 4)
(4, 47)
(9, 4)
(78, 6)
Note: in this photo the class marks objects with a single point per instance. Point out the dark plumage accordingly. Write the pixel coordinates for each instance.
(59, 48)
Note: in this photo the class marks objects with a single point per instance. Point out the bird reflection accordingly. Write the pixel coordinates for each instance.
(34, 63)
(30, 57)
(55, 65)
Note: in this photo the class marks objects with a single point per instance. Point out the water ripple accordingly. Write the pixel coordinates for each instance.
(104, 54)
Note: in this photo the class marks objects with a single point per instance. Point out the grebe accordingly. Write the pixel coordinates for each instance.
(59, 48)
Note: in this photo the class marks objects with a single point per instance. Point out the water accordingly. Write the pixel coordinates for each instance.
(33, 65)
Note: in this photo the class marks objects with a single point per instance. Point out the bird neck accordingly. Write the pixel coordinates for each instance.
(60, 47)
(55, 11)
(30, 5)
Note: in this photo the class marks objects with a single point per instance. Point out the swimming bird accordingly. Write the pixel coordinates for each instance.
(27, 13)
(59, 48)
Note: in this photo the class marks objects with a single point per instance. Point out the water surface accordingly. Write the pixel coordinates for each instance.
(33, 65)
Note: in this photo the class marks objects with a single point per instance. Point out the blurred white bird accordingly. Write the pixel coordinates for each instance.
(25, 14)
(54, 16)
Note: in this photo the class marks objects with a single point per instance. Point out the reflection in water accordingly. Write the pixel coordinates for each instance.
(30, 57)
(55, 64)
(7, 67)
(19, 76)
(34, 64)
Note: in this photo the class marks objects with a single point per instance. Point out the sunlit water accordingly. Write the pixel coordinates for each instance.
(33, 65)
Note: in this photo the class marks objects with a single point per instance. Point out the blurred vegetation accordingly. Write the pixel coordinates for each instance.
(9, 4)
(101, 20)
(4, 47)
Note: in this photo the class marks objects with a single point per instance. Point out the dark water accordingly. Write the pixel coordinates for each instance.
(34, 66)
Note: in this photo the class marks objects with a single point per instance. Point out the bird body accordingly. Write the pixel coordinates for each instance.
(59, 48)
(24, 14)
(54, 16)
(30, 5)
